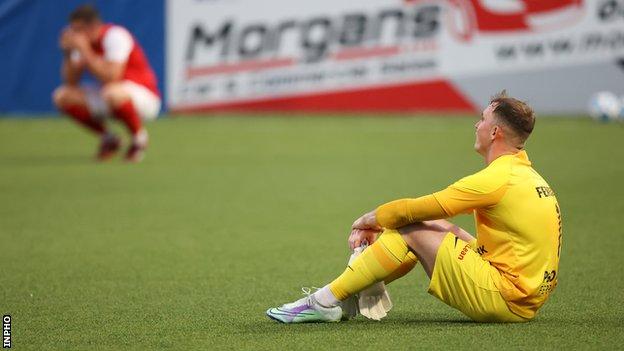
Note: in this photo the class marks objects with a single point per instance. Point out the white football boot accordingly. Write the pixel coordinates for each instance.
(305, 310)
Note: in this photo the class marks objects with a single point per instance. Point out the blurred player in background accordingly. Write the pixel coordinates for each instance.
(504, 275)
(127, 87)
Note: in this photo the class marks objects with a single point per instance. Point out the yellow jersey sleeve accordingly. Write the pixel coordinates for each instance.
(402, 212)
(481, 189)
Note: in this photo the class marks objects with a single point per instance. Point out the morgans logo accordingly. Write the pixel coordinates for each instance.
(313, 38)
(467, 17)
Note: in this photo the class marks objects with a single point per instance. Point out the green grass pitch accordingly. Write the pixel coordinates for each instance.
(230, 215)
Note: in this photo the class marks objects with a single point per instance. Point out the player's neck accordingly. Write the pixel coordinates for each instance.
(497, 150)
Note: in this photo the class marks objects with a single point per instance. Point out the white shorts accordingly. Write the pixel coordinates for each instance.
(146, 103)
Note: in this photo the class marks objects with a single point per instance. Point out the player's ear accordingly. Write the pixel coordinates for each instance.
(498, 132)
(495, 131)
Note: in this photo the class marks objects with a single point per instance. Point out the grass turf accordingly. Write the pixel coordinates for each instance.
(229, 216)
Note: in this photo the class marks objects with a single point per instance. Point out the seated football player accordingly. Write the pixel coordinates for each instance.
(505, 274)
(127, 87)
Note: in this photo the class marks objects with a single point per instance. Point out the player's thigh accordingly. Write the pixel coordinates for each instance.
(465, 281)
(146, 103)
(85, 95)
(453, 228)
(95, 103)
(424, 238)
(66, 95)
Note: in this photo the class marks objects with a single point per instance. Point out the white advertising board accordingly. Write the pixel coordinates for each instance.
(390, 54)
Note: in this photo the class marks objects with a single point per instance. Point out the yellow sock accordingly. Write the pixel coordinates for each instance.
(408, 264)
(375, 263)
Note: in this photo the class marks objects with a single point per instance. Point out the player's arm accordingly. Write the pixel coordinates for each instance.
(479, 190)
(117, 45)
(105, 71)
(393, 215)
(71, 68)
(401, 212)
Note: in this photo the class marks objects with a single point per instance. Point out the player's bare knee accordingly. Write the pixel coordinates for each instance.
(114, 94)
(411, 233)
(59, 96)
(66, 95)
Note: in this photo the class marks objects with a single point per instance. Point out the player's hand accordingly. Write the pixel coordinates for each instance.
(361, 236)
(64, 39)
(368, 222)
(78, 41)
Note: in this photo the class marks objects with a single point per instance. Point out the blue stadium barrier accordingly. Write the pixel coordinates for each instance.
(29, 55)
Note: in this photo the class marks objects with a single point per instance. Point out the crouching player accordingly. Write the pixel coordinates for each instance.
(504, 275)
(127, 87)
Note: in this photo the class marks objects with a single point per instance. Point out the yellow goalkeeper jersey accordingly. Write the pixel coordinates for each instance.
(518, 224)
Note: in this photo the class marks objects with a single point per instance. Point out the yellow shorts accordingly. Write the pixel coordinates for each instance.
(465, 281)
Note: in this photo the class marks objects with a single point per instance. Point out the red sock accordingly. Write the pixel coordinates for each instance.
(81, 114)
(129, 116)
